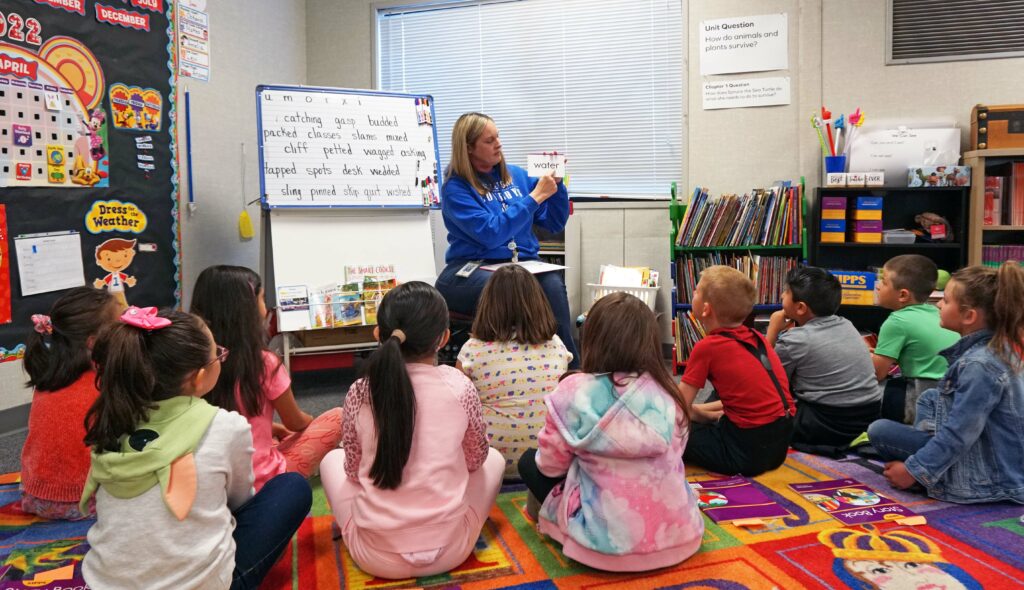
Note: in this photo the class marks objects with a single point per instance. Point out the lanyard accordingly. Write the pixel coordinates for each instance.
(761, 354)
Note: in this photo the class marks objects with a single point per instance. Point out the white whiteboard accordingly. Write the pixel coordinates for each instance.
(334, 147)
(313, 247)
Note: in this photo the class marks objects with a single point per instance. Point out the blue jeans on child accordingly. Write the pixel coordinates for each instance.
(265, 525)
(895, 441)
(463, 295)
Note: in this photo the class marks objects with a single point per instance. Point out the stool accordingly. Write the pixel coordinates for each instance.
(460, 325)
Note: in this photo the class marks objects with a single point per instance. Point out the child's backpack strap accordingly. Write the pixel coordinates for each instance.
(761, 354)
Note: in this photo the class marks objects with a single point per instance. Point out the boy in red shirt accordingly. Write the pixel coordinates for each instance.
(747, 431)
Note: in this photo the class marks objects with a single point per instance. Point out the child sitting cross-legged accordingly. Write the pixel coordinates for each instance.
(911, 335)
(747, 431)
(977, 409)
(514, 358)
(608, 468)
(416, 480)
(828, 365)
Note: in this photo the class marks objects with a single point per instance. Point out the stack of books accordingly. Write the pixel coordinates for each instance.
(766, 217)
(688, 331)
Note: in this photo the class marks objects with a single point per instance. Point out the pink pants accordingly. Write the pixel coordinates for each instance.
(304, 450)
(480, 495)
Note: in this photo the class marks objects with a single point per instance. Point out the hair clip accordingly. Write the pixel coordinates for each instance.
(42, 323)
(145, 318)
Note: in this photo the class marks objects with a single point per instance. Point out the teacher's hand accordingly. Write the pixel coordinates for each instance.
(546, 186)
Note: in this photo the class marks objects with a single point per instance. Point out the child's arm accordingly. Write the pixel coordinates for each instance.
(776, 325)
(554, 455)
(349, 435)
(883, 365)
(292, 416)
(239, 457)
(475, 442)
(709, 412)
(977, 393)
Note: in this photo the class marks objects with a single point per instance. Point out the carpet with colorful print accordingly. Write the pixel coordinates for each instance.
(969, 547)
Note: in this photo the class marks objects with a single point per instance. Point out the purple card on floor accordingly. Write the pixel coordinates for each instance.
(725, 500)
(851, 502)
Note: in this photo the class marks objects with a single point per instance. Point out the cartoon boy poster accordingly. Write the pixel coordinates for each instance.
(114, 256)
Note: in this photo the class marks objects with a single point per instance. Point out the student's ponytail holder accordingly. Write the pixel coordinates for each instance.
(398, 334)
(42, 324)
(144, 318)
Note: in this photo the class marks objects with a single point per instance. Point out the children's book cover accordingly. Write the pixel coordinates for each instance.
(734, 498)
(851, 502)
(347, 306)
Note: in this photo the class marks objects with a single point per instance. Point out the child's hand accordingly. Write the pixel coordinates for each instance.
(780, 321)
(897, 475)
(710, 412)
(279, 431)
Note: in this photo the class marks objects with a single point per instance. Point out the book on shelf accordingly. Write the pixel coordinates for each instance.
(1017, 195)
(765, 217)
(993, 255)
(688, 331)
(767, 272)
(993, 214)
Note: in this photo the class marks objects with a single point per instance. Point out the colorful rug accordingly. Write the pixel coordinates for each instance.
(970, 547)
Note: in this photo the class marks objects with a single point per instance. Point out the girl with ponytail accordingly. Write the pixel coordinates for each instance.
(966, 443)
(172, 474)
(416, 479)
(54, 460)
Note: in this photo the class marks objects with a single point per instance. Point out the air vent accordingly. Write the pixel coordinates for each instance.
(954, 30)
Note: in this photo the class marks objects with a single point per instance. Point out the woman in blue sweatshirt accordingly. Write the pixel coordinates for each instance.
(489, 210)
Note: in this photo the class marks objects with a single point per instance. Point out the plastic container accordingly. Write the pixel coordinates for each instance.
(648, 295)
(898, 236)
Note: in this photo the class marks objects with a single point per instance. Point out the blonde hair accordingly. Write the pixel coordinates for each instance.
(465, 132)
(998, 293)
(730, 293)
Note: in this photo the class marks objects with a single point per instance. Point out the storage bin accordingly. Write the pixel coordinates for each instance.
(898, 236)
(648, 295)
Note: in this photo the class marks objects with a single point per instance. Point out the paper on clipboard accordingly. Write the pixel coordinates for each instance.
(49, 262)
(534, 266)
(892, 148)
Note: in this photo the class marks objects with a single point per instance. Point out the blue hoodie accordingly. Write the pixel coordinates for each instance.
(481, 227)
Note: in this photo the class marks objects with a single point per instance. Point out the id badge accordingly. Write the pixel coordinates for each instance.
(468, 269)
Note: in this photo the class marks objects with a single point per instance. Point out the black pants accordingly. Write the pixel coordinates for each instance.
(819, 424)
(539, 484)
(728, 449)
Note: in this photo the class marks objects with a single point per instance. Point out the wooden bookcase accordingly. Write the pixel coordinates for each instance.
(980, 234)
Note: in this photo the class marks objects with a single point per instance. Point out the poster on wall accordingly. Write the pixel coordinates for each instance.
(87, 155)
(748, 92)
(744, 44)
(193, 40)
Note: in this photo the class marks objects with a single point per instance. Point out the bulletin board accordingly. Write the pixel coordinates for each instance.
(88, 177)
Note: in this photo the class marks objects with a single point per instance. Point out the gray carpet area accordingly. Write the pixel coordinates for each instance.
(316, 392)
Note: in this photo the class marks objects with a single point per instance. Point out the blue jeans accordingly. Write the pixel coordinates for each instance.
(265, 525)
(895, 441)
(463, 295)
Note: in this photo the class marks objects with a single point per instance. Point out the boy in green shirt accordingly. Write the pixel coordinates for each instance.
(911, 335)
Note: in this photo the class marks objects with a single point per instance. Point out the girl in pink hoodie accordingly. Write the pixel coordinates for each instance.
(416, 479)
(609, 469)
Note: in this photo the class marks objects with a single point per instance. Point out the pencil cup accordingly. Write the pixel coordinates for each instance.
(835, 164)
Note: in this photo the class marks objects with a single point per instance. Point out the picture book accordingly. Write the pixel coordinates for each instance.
(734, 498)
(851, 502)
(346, 305)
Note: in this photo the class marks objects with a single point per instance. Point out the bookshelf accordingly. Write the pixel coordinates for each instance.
(762, 234)
(899, 206)
(994, 162)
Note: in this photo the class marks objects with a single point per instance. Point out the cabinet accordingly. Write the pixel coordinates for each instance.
(773, 237)
(899, 207)
(995, 162)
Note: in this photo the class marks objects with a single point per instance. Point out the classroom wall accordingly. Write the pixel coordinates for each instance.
(252, 42)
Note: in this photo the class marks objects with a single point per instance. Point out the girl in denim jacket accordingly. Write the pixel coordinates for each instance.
(974, 453)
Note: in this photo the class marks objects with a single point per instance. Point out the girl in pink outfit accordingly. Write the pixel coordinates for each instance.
(254, 382)
(609, 469)
(416, 479)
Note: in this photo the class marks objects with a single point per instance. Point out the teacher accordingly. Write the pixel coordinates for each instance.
(489, 209)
